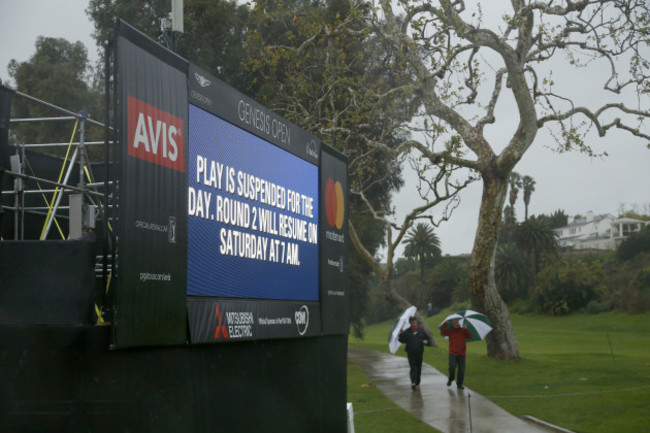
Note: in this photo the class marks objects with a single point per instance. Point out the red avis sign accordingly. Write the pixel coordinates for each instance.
(155, 135)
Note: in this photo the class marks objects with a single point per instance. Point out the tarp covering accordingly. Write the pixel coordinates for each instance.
(47, 282)
(5, 113)
(64, 379)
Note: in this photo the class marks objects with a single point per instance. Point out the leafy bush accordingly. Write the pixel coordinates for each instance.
(404, 266)
(567, 286)
(639, 292)
(458, 306)
(446, 277)
(521, 306)
(595, 307)
(379, 309)
(628, 284)
(514, 272)
(635, 244)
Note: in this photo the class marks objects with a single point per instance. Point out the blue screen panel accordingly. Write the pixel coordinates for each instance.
(253, 215)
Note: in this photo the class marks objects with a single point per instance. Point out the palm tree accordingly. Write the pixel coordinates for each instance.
(422, 243)
(535, 236)
(558, 219)
(515, 184)
(528, 184)
(513, 272)
(509, 215)
(446, 280)
(508, 227)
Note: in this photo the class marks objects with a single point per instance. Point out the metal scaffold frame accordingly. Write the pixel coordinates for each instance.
(82, 212)
(87, 202)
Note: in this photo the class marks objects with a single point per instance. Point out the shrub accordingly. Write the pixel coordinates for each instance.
(595, 307)
(459, 306)
(567, 286)
(445, 279)
(635, 244)
(521, 306)
(628, 284)
(379, 309)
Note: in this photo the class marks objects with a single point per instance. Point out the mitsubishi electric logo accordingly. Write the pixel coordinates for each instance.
(220, 331)
(203, 82)
(302, 319)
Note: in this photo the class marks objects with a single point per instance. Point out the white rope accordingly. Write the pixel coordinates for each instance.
(570, 394)
(377, 410)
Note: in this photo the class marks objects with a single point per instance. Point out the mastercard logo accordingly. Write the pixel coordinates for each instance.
(334, 204)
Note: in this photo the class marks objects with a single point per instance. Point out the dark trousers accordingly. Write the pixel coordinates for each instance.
(415, 364)
(457, 361)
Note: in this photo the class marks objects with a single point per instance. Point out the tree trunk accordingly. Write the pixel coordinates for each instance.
(422, 271)
(501, 342)
(525, 211)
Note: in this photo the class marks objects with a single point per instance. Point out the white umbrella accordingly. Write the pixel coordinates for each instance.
(402, 322)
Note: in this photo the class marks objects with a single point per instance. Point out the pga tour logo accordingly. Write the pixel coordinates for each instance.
(302, 319)
(155, 135)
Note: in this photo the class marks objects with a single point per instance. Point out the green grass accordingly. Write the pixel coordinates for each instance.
(568, 375)
(374, 412)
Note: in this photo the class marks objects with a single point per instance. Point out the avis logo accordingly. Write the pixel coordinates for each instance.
(302, 319)
(220, 331)
(334, 203)
(155, 135)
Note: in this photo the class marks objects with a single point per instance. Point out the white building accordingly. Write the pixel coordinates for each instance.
(597, 232)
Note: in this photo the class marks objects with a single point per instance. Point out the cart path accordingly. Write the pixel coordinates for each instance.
(444, 408)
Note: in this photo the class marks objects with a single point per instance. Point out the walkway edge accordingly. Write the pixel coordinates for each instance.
(548, 425)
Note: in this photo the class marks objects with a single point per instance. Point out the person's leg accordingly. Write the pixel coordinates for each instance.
(452, 369)
(412, 368)
(418, 368)
(461, 371)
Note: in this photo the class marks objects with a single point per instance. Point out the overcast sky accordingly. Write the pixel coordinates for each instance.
(571, 182)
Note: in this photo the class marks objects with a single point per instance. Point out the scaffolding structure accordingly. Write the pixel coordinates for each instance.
(90, 201)
(86, 198)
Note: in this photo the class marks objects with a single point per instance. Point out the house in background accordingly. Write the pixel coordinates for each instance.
(622, 228)
(597, 232)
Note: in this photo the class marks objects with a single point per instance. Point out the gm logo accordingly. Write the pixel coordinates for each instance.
(334, 203)
(302, 319)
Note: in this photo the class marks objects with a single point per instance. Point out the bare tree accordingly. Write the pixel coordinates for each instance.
(441, 191)
(467, 62)
(452, 69)
(323, 67)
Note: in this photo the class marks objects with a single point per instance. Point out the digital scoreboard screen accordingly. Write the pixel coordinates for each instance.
(252, 215)
(232, 221)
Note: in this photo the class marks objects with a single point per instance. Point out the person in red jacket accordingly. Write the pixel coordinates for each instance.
(457, 346)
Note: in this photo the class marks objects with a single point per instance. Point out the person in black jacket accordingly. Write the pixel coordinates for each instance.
(415, 340)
